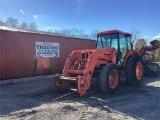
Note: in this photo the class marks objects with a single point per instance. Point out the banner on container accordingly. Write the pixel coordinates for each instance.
(47, 50)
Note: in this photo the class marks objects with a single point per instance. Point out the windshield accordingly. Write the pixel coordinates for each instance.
(107, 41)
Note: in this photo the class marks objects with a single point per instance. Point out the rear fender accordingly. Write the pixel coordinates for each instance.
(129, 53)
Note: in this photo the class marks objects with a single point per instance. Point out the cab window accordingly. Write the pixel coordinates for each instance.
(129, 43)
(123, 43)
(107, 41)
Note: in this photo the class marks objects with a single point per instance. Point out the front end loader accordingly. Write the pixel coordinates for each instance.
(80, 66)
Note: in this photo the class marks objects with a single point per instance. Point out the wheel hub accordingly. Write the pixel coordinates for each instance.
(113, 79)
(139, 70)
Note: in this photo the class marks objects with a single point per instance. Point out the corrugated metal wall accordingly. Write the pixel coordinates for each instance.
(17, 53)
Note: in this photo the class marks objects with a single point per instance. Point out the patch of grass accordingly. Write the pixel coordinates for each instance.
(54, 69)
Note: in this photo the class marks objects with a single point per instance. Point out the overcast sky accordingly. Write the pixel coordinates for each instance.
(87, 15)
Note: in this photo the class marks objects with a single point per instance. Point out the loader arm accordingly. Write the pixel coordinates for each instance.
(80, 66)
(155, 44)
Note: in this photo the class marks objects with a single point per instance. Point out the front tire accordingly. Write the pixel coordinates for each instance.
(109, 78)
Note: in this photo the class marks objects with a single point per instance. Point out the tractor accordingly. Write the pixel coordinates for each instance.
(113, 58)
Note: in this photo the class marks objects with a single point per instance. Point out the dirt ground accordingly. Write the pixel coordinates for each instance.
(130, 102)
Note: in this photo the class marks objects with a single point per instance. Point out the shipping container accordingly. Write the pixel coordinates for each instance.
(18, 52)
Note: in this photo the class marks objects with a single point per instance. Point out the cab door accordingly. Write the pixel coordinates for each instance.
(123, 47)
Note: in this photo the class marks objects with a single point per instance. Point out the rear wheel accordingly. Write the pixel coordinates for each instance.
(109, 78)
(134, 70)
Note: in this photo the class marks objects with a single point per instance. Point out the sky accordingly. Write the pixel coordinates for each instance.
(87, 15)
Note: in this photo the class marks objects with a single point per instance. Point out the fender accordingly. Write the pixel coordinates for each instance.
(129, 53)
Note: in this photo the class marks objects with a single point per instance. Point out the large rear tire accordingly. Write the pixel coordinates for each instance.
(134, 70)
(109, 78)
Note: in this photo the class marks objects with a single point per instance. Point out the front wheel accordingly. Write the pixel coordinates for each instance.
(109, 78)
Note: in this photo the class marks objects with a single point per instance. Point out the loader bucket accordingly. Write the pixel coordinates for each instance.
(155, 43)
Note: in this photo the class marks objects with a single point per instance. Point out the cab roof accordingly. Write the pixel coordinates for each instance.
(113, 32)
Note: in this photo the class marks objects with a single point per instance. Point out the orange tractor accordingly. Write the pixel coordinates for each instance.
(113, 58)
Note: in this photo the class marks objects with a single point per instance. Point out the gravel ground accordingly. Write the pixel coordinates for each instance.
(130, 102)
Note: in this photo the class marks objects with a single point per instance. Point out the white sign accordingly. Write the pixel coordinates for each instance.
(47, 49)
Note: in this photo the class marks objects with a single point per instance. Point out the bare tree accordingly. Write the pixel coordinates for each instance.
(70, 32)
(32, 26)
(56, 32)
(66, 32)
(93, 34)
(1, 23)
(135, 34)
(50, 30)
(86, 36)
(24, 25)
(81, 33)
(139, 44)
(74, 33)
(12, 22)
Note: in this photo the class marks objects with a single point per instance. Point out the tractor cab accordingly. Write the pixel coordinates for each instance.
(119, 40)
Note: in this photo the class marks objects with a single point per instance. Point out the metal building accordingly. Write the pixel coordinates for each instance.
(18, 52)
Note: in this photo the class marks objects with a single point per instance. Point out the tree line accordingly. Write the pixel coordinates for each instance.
(13, 22)
(75, 33)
